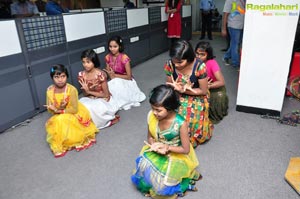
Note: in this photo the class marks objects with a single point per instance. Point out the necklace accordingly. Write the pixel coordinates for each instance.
(182, 77)
(65, 98)
(114, 61)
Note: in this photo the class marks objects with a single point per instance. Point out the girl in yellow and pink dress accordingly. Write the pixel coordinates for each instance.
(71, 125)
(122, 85)
(218, 106)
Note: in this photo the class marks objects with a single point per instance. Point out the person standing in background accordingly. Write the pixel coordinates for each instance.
(41, 5)
(5, 10)
(53, 7)
(23, 8)
(128, 4)
(233, 19)
(172, 8)
(227, 42)
(206, 7)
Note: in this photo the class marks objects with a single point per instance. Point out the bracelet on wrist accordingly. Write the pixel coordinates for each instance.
(60, 111)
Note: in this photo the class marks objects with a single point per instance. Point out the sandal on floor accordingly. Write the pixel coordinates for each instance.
(291, 119)
(192, 188)
(192, 182)
(197, 177)
(146, 194)
(181, 194)
(115, 120)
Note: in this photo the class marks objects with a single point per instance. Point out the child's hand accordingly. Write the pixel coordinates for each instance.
(163, 149)
(95, 83)
(63, 104)
(189, 86)
(51, 107)
(110, 72)
(154, 146)
(83, 84)
(157, 147)
(178, 86)
(210, 81)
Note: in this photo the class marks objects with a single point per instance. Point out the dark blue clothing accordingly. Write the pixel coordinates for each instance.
(129, 5)
(53, 8)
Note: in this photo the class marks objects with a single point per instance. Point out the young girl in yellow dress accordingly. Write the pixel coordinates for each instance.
(71, 125)
(166, 167)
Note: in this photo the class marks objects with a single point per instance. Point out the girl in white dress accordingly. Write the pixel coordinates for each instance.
(97, 98)
(122, 85)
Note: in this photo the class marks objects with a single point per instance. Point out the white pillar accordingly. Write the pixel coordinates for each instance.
(269, 34)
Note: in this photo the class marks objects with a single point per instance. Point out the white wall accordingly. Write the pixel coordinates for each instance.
(76, 25)
(220, 4)
(266, 55)
(137, 17)
(12, 45)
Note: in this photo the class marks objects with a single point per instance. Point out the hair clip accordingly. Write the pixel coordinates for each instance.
(120, 40)
(52, 70)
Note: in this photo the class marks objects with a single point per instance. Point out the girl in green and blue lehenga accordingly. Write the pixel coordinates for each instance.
(166, 167)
